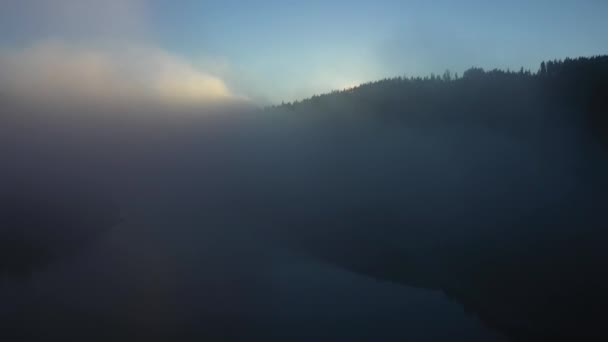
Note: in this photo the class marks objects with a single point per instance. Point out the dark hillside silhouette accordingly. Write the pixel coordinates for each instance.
(532, 271)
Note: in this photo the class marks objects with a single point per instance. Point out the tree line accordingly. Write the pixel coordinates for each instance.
(494, 97)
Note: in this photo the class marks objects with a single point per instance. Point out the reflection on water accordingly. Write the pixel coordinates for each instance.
(311, 301)
(160, 281)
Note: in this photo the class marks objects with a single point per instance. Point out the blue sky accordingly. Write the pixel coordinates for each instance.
(270, 51)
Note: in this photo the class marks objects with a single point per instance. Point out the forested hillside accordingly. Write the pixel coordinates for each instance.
(495, 97)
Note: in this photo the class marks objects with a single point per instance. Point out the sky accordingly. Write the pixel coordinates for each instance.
(272, 51)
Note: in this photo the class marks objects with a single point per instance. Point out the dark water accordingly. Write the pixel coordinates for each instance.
(163, 281)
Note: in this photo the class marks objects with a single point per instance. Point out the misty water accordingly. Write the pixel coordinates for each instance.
(207, 239)
(155, 281)
(265, 227)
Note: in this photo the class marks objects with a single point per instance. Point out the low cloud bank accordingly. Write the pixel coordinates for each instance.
(61, 74)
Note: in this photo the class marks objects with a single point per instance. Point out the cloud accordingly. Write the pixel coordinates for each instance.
(63, 73)
(87, 52)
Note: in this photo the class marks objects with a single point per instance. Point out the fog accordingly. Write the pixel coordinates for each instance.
(175, 222)
(152, 187)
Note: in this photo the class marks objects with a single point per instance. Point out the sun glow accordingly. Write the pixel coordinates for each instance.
(57, 72)
(350, 85)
